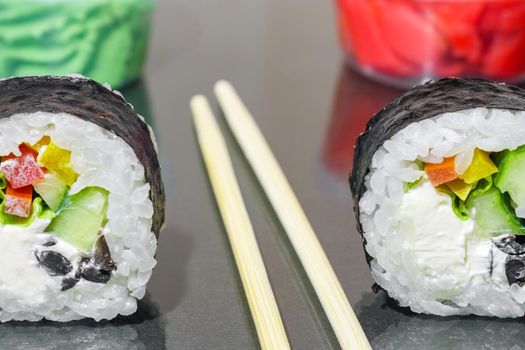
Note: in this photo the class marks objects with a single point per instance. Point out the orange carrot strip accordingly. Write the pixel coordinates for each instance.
(443, 172)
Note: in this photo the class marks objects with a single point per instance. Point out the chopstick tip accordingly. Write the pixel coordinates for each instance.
(200, 107)
(222, 85)
(197, 99)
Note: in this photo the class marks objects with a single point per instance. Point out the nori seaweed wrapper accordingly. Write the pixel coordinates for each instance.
(423, 102)
(90, 101)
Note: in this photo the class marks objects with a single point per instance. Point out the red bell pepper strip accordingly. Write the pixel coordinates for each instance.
(23, 170)
(18, 200)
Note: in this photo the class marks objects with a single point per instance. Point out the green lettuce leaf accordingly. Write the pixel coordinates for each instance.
(482, 186)
(411, 185)
(458, 206)
(3, 184)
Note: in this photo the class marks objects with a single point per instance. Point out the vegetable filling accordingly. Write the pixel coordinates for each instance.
(490, 192)
(34, 185)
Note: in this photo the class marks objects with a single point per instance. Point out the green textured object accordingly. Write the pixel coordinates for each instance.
(105, 40)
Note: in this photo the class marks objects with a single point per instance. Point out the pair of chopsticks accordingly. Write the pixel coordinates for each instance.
(261, 300)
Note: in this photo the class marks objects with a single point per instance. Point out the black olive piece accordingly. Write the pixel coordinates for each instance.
(515, 269)
(49, 243)
(54, 263)
(93, 275)
(69, 282)
(520, 238)
(102, 256)
(90, 272)
(508, 245)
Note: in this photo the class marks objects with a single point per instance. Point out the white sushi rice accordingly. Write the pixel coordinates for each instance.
(101, 159)
(423, 255)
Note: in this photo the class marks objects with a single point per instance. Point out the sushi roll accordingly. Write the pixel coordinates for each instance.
(82, 200)
(439, 198)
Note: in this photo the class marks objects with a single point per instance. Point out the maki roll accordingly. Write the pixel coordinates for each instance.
(439, 194)
(82, 200)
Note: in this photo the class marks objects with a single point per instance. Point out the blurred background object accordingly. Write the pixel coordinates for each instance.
(105, 40)
(137, 94)
(405, 42)
(355, 101)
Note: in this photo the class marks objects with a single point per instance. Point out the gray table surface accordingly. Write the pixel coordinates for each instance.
(283, 57)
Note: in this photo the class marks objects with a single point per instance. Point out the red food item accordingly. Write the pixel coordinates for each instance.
(18, 200)
(362, 37)
(443, 172)
(503, 17)
(468, 13)
(513, 20)
(506, 56)
(23, 170)
(462, 37)
(408, 33)
(416, 39)
(450, 68)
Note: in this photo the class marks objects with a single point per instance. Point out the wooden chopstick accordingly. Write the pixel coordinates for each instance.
(287, 207)
(261, 300)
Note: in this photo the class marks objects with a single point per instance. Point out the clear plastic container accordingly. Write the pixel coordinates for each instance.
(105, 40)
(404, 42)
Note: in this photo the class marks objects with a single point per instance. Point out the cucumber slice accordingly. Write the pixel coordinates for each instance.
(52, 190)
(492, 214)
(81, 217)
(510, 176)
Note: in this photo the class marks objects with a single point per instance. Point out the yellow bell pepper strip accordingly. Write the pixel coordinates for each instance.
(44, 141)
(480, 167)
(460, 188)
(58, 160)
